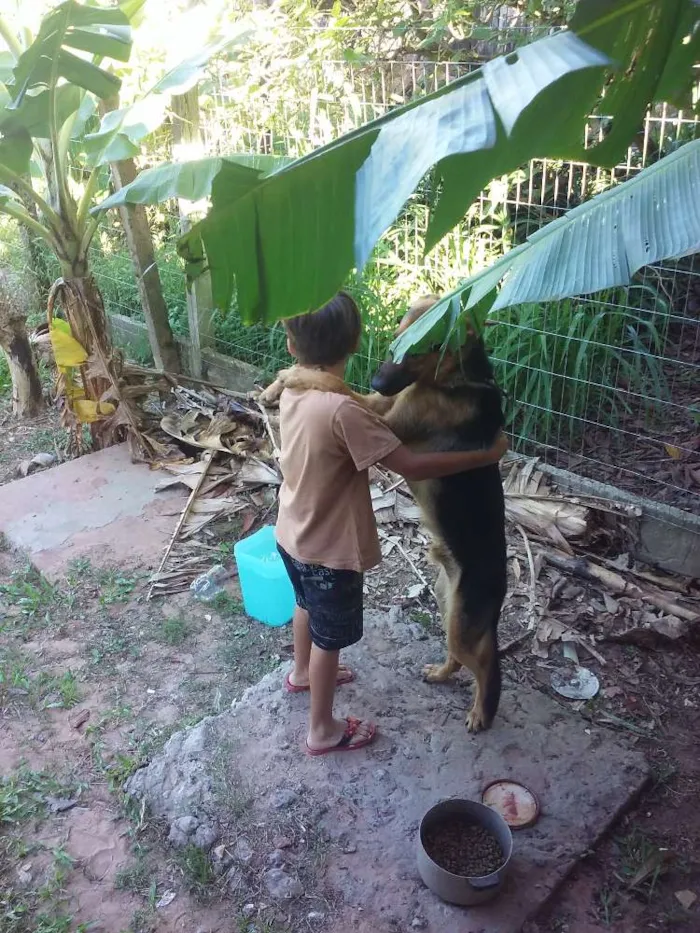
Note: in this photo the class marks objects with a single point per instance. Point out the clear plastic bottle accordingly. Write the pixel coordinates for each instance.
(208, 585)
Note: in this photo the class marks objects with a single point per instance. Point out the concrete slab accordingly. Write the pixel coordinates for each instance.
(101, 506)
(370, 802)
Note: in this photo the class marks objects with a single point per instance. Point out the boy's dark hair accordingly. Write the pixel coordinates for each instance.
(329, 335)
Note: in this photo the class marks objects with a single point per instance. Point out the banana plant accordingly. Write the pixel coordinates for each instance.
(598, 245)
(286, 238)
(49, 100)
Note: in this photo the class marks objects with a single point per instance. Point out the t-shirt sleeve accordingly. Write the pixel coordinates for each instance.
(366, 437)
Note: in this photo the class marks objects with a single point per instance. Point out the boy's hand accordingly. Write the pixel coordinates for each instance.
(499, 448)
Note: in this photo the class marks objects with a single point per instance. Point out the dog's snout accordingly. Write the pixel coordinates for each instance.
(391, 378)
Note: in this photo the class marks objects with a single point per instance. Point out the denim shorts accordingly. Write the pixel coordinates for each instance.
(333, 599)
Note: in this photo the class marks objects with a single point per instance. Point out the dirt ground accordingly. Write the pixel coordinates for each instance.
(94, 679)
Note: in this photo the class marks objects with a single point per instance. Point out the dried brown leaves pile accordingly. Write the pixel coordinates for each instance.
(231, 470)
(572, 584)
(559, 597)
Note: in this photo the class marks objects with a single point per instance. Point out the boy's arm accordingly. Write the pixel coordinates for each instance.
(419, 466)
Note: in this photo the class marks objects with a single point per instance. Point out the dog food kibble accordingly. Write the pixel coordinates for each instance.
(463, 848)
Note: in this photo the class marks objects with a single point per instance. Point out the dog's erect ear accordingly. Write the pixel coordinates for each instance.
(417, 309)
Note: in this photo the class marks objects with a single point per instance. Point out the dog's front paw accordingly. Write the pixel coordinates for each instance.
(435, 673)
(476, 720)
(270, 396)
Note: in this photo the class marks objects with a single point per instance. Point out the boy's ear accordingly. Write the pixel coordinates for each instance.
(291, 349)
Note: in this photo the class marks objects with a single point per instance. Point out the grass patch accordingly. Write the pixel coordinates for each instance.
(227, 606)
(196, 869)
(40, 909)
(173, 631)
(137, 878)
(117, 769)
(642, 862)
(68, 691)
(115, 587)
(31, 592)
(24, 793)
(19, 683)
(560, 363)
(423, 618)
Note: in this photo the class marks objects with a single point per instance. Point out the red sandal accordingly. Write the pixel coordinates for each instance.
(346, 744)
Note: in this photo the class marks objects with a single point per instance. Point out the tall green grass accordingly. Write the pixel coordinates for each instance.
(561, 365)
(577, 361)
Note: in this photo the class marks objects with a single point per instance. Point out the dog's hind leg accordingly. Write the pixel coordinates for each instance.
(472, 642)
(487, 689)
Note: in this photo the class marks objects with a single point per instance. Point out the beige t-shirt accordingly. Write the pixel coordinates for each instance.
(325, 509)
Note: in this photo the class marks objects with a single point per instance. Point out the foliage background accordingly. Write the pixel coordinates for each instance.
(591, 383)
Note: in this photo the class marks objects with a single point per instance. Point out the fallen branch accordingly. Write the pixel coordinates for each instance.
(276, 452)
(175, 378)
(403, 552)
(533, 578)
(207, 458)
(580, 567)
(514, 642)
(665, 581)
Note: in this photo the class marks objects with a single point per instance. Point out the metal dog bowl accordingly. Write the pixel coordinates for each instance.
(458, 889)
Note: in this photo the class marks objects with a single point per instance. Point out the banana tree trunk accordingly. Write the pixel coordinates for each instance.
(27, 394)
(81, 302)
(114, 416)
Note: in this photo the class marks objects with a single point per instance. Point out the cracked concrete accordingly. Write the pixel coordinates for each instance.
(101, 506)
(369, 803)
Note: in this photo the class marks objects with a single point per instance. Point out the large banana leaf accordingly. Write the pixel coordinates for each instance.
(189, 181)
(288, 240)
(122, 131)
(101, 32)
(49, 77)
(598, 245)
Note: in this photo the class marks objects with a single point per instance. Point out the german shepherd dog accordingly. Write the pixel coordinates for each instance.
(447, 402)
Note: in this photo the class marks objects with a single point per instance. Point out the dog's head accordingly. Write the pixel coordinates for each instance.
(468, 364)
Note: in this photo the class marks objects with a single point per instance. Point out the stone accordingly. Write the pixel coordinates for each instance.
(283, 798)
(419, 923)
(395, 616)
(234, 880)
(221, 860)
(24, 877)
(182, 830)
(583, 775)
(316, 916)
(205, 836)
(280, 885)
(243, 851)
(247, 911)
(276, 859)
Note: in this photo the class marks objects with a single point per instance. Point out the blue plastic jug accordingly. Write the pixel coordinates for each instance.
(268, 595)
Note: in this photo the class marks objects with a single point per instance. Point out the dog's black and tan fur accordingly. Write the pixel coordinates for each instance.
(435, 403)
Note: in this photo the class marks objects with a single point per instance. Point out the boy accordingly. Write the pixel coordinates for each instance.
(326, 531)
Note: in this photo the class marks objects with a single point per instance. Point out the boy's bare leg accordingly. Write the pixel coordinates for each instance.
(324, 730)
(299, 676)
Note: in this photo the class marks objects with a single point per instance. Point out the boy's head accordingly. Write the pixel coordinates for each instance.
(327, 336)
